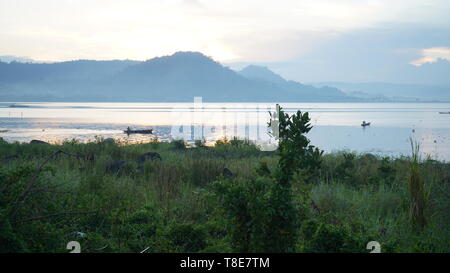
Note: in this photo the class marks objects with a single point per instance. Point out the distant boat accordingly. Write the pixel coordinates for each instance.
(448, 112)
(128, 131)
(18, 106)
(364, 124)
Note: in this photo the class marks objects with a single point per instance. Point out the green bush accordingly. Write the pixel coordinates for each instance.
(250, 208)
(345, 171)
(387, 170)
(320, 237)
(178, 144)
(187, 237)
(9, 241)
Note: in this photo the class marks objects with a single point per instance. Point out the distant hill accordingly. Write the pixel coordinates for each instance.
(11, 58)
(178, 77)
(393, 91)
(323, 93)
(18, 72)
(261, 73)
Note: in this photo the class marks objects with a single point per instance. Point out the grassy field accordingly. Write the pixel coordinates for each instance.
(53, 194)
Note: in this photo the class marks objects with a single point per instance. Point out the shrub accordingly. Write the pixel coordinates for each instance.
(262, 214)
(248, 208)
(386, 170)
(187, 237)
(263, 169)
(345, 171)
(296, 155)
(9, 241)
(178, 144)
(325, 238)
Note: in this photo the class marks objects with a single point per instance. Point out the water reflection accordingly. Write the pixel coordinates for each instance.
(336, 125)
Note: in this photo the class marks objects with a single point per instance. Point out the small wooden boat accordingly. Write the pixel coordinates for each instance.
(444, 112)
(128, 131)
(364, 124)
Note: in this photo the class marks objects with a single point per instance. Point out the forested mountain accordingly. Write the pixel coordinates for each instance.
(178, 77)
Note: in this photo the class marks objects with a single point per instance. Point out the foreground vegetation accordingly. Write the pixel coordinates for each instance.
(293, 200)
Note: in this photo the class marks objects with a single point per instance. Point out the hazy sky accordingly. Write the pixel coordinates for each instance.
(305, 40)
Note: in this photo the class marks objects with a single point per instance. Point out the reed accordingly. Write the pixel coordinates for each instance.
(416, 187)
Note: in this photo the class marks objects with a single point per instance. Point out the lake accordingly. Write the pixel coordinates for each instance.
(337, 126)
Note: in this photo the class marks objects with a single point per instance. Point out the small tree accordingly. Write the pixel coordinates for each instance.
(296, 154)
(262, 214)
(294, 147)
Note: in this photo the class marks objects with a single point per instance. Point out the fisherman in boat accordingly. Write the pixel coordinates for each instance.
(128, 131)
(364, 123)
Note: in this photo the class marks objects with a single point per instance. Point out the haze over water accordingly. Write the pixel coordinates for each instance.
(337, 126)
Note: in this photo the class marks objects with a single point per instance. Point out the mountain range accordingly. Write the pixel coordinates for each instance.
(381, 91)
(176, 78)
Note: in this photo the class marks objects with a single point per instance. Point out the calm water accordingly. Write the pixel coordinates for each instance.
(336, 125)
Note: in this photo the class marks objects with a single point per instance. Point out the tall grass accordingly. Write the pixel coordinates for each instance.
(416, 187)
(360, 197)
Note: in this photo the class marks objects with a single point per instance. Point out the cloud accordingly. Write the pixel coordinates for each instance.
(232, 30)
(431, 55)
(192, 3)
(369, 55)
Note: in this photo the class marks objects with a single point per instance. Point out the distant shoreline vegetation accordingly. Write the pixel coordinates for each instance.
(38, 99)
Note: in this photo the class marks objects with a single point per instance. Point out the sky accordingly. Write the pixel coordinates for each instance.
(303, 40)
